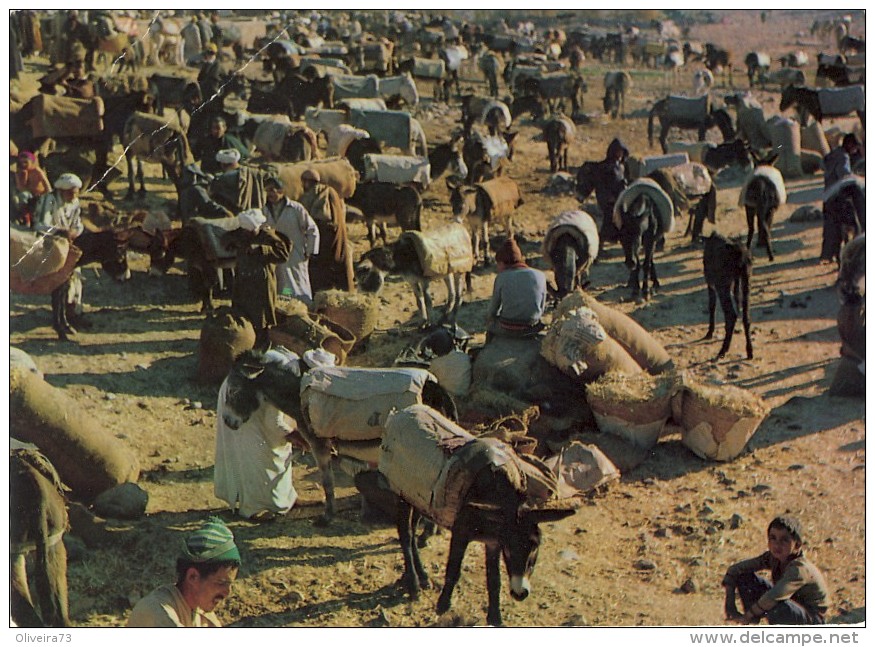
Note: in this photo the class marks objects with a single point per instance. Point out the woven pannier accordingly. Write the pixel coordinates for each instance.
(718, 421)
(356, 312)
(634, 407)
(302, 332)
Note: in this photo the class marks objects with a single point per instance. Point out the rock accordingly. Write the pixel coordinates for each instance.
(645, 565)
(807, 213)
(125, 501)
(76, 550)
(576, 620)
(689, 586)
(109, 396)
(559, 183)
(735, 521)
(569, 554)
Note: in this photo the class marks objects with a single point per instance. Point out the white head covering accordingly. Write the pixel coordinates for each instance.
(228, 156)
(68, 181)
(251, 219)
(319, 357)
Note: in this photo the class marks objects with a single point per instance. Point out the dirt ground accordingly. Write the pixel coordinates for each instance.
(650, 550)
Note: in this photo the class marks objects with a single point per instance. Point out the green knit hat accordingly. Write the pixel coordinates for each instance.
(212, 542)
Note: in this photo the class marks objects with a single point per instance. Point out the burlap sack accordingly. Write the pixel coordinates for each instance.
(718, 421)
(358, 313)
(47, 283)
(640, 344)
(653, 162)
(336, 172)
(443, 250)
(428, 68)
(813, 138)
(397, 169)
(578, 224)
(662, 202)
(581, 468)
(353, 404)
(694, 109)
(453, 372)
(32, 255)
(89, 459)
(771, 173)
(585, 362)
(635, 407)
(58, 116)
(223, 338)
(786, 139)
(302, 332)
(503, 195)
(210, 232)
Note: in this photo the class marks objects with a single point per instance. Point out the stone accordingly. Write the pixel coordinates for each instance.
(125, 501)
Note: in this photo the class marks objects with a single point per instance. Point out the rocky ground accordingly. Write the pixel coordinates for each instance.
(649, 550)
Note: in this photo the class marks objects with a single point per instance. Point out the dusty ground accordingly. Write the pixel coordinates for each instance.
(133, 373)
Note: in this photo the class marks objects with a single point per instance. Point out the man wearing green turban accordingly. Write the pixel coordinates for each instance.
(205, 569)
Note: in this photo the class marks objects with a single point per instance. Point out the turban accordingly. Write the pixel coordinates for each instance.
(310, 174)
(228, 156)
(27, 155)
(251, 219)
(68, 181)
(509, 253)
(319, 357)
(211, 48)
(212, 542)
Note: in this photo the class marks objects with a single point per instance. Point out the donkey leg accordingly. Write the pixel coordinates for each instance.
(493, 585)
(751, 217)
(458, 545)
(730, 315)
(712, 307)
(743, 300)
(141, 177)
(131, 186)
(765, 226)
(321, 450)
(410, 577)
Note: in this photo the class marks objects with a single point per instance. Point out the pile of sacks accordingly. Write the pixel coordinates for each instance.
(632, 388)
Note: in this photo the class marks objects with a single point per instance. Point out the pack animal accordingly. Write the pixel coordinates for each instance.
(808, 102)
(495, 511)
(559, 134)
(255, 377)
(617, 83)
(642, 223)
(571, 244)
(757, 64)
(155, 139)
(728, 266)
(403, 258)
(380, 202)
(702, 123)
(719, 61)
(37, 522)
(473, 203)
(761, 197)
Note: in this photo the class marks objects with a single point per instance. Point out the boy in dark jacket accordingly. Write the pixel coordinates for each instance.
(797, 593)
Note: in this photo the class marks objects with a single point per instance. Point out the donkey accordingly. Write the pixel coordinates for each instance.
(642, 223)
(382, 201)
(617, 83)
(256, 377)
(713, 117)
(559, 133)
(494, 509)
(761, 196)
(728, 265)
(37, 522)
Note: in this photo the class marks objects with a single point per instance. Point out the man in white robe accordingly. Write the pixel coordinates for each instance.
(253, 470)
(291, 219)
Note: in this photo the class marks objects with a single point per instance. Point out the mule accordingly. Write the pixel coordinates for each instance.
(712, 118)
(472, 204)
(571, 243)
(728, 265)
(255, 377)
(158, 140)
(109, 248)
(37, 523)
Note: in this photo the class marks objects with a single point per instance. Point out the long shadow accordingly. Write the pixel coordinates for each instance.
(796, 418)
(168, 377)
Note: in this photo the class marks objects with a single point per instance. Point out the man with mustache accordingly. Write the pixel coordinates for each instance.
(205, 569)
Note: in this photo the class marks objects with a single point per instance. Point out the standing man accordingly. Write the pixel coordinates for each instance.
(333, 268)
(210, 76)
(60, 213)
(205, 571)
(291, 219)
